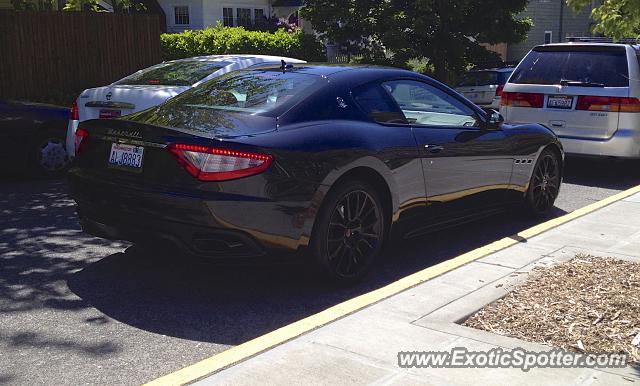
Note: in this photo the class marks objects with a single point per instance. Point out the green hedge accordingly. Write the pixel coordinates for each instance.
(237, 40)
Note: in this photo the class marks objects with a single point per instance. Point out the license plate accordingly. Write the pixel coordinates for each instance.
(128, 156)
(108, 114)
(473, 96)
(560, 102)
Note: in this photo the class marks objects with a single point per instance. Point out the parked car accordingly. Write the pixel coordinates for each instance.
(151, 86)
(484, 87)
(32, 137)
(324, 159)
(587, 93)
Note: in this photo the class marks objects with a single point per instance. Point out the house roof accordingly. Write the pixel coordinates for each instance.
(287, 3)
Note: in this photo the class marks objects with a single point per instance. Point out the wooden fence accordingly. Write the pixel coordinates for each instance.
(53, 56)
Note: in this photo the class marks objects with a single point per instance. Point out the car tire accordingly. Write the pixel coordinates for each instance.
(544, 185)
(49, 157)
(349, 232)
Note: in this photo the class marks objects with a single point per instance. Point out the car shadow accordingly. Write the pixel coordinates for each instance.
(602, 173)
(232, 304)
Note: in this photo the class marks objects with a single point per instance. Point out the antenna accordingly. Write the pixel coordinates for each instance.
(285, 66)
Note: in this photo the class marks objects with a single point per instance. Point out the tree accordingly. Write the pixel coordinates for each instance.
(448, 33)
(94, 5)
(34, 5)
(615, 18)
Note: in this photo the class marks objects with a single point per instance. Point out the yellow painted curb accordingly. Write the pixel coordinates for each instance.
(262, 343)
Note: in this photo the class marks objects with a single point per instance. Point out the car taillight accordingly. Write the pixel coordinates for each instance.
(499, 90)
(522, 99)
(75, 116)
(610, 104)
(81, 139)
(216, 164)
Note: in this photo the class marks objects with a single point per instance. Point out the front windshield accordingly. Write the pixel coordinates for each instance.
(182, 73)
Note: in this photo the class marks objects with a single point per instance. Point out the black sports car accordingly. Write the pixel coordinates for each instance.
(330, 160)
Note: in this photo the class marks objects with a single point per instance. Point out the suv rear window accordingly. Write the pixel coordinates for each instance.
(183, 73)
(483, 78)
(605, 66)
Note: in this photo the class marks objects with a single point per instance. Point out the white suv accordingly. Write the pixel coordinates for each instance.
(587, 93)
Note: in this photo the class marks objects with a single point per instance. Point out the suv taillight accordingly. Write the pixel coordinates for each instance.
(215, 164)
(499, 90)
(522, 99)
(610, 104)
(80, 140)
(75, 116)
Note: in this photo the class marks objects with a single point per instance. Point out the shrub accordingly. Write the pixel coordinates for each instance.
(236, 40)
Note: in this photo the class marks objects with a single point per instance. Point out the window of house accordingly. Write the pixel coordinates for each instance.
(258, 14)
(227, 17)
(548, 37)
(243, 17)
(181, 15)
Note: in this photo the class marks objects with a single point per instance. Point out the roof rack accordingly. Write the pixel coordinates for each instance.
(599, 39)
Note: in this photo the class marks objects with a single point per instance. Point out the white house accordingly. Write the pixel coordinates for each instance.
(198, 14)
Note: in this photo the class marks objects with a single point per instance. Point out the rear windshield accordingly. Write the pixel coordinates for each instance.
(484, 78)
(183, 73)
(250, 92)
(597, 66)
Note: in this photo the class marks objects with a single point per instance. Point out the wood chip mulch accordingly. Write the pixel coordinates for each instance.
(588, 304)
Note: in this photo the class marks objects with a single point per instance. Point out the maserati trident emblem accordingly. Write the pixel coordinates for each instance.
(108, 96)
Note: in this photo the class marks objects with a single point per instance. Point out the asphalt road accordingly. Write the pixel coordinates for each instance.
(79, 310)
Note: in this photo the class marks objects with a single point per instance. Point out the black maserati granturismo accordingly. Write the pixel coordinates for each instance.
(326, 160)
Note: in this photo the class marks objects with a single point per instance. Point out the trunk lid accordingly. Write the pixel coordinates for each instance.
(567, 122)
(110, 138)
(480, 95)
(120, 100)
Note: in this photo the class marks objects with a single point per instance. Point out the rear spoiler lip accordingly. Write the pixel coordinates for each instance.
(113, 105)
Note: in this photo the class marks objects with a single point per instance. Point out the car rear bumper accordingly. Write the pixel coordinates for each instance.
(625, 143)
(203, 223)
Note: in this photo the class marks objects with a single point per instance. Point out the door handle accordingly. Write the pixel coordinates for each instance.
(434, 148)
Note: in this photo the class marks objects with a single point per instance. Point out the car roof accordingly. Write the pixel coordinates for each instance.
(589, 44)
(240, 57)
(345, 72)
(497, 69)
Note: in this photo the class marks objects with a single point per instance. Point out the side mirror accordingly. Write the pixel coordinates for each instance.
(494, 119)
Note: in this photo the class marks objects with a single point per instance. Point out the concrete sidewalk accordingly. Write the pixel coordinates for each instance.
(362, 348)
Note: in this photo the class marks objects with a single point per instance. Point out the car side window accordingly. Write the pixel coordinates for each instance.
(427, 105)
(377, 104)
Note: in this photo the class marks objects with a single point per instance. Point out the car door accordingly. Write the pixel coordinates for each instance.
(402, 158)
(467, 167)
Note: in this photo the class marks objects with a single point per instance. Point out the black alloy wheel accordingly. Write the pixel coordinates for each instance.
(545, 184)
(350, 232)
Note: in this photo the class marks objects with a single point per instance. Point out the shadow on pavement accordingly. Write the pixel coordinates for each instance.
(232, 304)
(41, 246)
(602, 173)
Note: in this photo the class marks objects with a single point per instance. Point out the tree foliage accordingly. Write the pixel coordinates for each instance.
(33, 5)
(615, 18)
(94, 5)
(448, 33)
